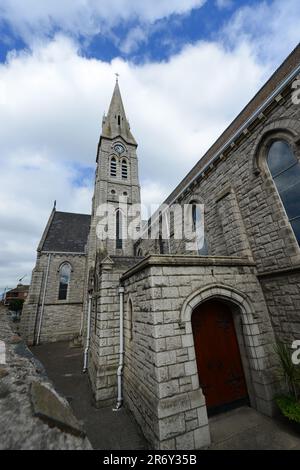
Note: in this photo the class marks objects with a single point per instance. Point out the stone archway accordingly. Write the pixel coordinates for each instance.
(249, 336)
(219, 364)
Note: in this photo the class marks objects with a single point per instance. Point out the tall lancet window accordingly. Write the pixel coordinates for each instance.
(124, 169)
(285, 170)
(160, 238)
(119, 228)
(64, 280)
(113, 167)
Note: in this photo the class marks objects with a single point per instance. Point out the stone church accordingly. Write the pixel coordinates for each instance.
(177, 335)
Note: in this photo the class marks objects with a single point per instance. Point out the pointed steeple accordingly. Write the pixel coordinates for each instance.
(115, 123)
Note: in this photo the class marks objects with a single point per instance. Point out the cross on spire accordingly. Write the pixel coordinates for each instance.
(117, 76)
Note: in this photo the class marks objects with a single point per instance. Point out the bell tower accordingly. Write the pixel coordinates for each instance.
(116, 184)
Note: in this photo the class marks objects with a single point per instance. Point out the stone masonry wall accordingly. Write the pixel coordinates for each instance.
(61, 319)
(32, 414)
(245, 216)
(282, 294)
(104, 345)
(105, 320)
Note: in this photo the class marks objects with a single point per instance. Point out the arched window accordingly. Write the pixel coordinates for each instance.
(195, 216)
(113, 167)
(64, 280)
(119, 241)
(285, 171)
(198, 228)
(172, 222)
(124, 169)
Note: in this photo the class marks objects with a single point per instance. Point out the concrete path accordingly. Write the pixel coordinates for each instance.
(106, 429)
(245, 428)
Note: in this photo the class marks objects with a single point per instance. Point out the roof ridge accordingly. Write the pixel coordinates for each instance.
(289, 64)
(72, 213)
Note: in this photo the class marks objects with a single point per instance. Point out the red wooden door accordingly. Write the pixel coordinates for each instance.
(219, 363)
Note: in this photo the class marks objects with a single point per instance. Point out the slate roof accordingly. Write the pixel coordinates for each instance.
(67, 232)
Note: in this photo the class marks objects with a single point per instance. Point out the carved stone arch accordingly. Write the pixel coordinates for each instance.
(66, 262)
(234, 298)
(286, 129)
(194, 197)
(220, 291)
(250, 338)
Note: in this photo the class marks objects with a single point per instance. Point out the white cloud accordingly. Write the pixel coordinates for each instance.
(134, 39)
(31, 18)
(224, 3)
(29, 183)
(51, 105)
(272, 28)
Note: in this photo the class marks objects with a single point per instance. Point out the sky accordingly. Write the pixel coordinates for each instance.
(187, 68)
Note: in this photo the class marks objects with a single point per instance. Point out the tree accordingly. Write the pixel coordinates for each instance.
(16, 305)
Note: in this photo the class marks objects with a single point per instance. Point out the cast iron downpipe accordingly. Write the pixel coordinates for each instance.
(88, 334)
(121, 351)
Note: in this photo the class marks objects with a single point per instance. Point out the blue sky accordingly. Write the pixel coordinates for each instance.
(166, 36)
(187, 68)
(155, 40)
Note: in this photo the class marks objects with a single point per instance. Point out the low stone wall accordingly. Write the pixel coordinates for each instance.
(32, 414)
(60, 322)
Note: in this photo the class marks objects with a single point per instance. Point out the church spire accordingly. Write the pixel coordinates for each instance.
(115, 123)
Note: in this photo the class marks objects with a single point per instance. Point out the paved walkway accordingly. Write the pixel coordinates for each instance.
(106, 429)
(243, 428)
(246, 429)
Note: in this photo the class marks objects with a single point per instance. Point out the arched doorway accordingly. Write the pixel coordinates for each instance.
(219, 364)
